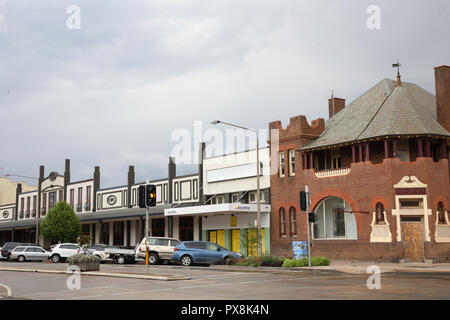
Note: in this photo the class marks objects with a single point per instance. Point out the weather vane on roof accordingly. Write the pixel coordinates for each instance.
(397, 65)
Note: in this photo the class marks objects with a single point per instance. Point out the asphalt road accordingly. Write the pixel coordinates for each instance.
(209, 284)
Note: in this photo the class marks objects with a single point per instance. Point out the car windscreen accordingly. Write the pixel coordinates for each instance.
(19, 249)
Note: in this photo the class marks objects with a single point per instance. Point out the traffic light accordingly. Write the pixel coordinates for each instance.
(303, 200)
(311, 217)
(141, 196)
(150, 195)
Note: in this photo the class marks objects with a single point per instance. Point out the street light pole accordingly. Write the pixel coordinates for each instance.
(258, 214)
(258, 201)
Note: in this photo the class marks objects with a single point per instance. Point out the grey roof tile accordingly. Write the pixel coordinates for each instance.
(384, 110)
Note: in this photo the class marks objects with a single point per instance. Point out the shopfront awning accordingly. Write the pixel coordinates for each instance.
(217, 209)
(113, 214)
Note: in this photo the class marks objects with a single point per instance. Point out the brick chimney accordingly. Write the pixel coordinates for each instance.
(335, 105)
(131, 177)
(442, 80)
(66, 178)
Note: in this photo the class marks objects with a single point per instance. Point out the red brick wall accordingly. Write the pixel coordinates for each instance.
(365, 185)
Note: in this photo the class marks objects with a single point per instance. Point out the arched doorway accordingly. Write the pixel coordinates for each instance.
(334, 219)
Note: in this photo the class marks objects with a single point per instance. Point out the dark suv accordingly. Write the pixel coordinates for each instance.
(8, 247)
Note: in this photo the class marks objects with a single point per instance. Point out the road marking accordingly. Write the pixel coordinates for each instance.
(219, 284)
(87, 297)
(167, 289)
(7, 289)
(248, 282)
(122, 293)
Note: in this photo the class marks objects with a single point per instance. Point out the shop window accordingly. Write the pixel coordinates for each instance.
(282, 222)
(441, 213)
(379, 213)
(186, 228)
(334, 219)
(158, 227)
(118, 233)
(293, 221)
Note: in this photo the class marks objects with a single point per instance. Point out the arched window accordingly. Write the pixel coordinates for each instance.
(334, 219)
(292, 221)
(441, 213)
(282, 222)
(379, 213)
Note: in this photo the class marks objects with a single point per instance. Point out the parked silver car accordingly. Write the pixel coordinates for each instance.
(30, 253)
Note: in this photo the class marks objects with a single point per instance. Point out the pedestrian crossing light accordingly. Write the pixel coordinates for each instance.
(150, 195)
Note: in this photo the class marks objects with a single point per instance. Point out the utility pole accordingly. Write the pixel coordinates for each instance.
(258, 214)
(147, 181)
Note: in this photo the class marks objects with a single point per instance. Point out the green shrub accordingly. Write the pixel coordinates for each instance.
(82, 257)
(303, 262)
(264, 261)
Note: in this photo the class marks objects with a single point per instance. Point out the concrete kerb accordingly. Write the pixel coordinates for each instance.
(103, 274)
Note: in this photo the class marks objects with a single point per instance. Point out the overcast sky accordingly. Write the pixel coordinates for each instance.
(112, 92)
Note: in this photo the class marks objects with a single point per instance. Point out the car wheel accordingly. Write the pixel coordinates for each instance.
(21, 258)
(121, 260)
(186, 260)
(227, 260)
(56, 258)
(153, 258)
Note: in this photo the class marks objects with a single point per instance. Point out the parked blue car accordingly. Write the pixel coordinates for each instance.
(202, 252)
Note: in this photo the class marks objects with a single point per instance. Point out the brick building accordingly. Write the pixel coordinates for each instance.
(377, 172)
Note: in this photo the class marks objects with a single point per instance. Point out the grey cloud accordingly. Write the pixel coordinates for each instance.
(112, 93)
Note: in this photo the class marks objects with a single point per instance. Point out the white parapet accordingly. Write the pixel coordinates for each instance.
(332, 173)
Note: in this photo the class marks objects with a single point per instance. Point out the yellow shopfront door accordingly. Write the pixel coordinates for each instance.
(236, 240)
(252, 243)
(217, 237)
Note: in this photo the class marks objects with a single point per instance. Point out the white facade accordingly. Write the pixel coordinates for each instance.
(80, 195)
(235, 172)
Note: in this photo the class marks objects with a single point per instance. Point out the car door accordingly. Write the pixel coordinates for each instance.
(29, 253)
(63, 251)
(200, 252)
(213, 253)
(163, 248)
(41, 254)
